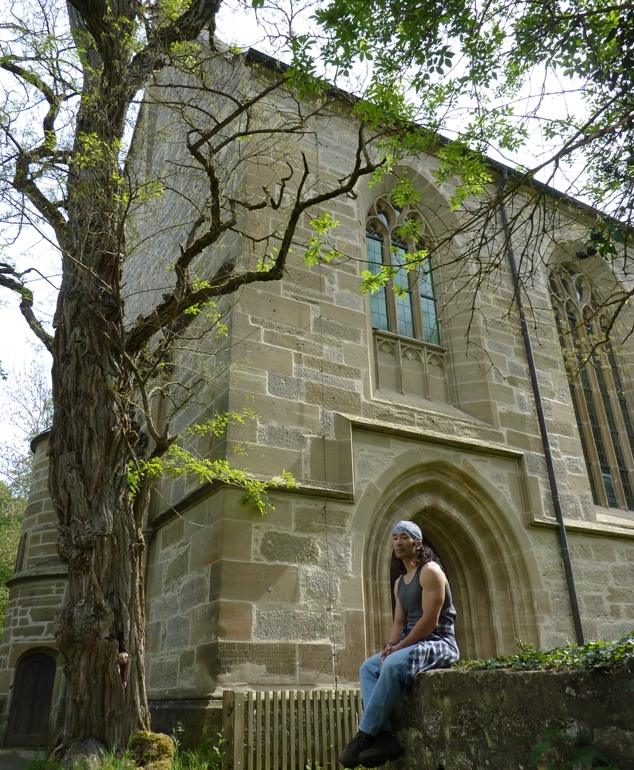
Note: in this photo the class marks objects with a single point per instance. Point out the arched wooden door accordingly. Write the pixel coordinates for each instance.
(31, 701)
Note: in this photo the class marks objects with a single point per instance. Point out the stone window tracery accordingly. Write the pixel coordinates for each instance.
(408, 357)
(414, 313)
(597, 388)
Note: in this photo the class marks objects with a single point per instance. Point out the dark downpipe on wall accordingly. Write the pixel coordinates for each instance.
(554, 490)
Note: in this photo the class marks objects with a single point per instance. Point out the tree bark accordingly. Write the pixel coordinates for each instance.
(100, 631)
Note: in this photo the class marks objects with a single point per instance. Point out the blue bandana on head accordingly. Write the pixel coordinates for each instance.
(413, 530)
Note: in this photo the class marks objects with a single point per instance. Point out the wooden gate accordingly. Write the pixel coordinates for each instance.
(288, 729)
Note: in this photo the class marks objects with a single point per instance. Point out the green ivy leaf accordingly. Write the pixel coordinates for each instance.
(537, 751)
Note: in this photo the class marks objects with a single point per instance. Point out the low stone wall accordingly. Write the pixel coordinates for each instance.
(192, 721)
(490, 720)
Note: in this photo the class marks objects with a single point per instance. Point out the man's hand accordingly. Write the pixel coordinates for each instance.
(386, 651)
(389, 649)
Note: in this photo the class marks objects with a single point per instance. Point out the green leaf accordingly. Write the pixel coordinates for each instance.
(537, 751)
(404, 193)
(315, 252)
(587, 754)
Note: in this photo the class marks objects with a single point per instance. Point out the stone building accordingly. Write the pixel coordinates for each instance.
(383, 408)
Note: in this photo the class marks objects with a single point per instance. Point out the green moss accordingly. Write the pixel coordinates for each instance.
(154, 751)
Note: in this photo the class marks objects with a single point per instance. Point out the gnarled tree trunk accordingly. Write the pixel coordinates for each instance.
(100, 631)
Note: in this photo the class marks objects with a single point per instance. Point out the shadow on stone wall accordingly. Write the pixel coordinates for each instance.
(472, 720)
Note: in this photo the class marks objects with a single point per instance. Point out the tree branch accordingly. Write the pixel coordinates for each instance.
(188, 26)
(34, 80)
(23, 180)
(172, 309)
(23, 183)
(11, 279)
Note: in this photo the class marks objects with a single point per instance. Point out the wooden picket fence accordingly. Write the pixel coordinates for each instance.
(288, 729)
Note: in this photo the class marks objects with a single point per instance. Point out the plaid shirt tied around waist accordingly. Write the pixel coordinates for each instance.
(438, 650)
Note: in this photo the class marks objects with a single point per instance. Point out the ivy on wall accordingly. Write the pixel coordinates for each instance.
(592, 656)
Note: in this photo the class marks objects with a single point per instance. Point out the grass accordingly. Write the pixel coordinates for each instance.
(110, 761)
(207, 757)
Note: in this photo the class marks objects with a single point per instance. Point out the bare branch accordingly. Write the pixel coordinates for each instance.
(173, 307)
(11, 279)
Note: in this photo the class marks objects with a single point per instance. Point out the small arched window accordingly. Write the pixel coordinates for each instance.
(20, 558)
(597, 389)
(412, 311)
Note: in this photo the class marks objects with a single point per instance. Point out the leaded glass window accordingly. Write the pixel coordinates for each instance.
(412, 311)
(597, 389)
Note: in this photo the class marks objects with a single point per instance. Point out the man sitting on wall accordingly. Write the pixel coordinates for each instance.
(422, 637)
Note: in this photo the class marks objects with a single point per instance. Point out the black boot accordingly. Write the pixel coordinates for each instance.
(384, 749)
(349, 757)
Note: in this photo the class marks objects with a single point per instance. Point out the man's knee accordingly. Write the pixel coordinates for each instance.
(371, 667)
(394, 667)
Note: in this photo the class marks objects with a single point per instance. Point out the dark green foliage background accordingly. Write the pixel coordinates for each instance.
(11, 515)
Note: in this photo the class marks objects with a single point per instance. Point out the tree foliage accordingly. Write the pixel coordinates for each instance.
(544, 87)
(495, 76)
(11, 516)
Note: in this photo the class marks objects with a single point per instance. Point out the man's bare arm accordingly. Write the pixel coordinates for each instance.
(400, 621)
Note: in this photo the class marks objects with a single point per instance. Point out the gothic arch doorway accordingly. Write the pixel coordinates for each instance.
(31, 701)
(485, 553)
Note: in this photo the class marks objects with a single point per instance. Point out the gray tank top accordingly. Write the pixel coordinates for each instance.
(410, 595)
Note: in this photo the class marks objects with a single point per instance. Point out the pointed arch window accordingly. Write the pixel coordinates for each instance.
(597, 388)
(413, 311)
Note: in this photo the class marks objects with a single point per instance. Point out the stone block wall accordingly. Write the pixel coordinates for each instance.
(37, 590)
(467, 464)
(469, 720)
(604, 569)
(237, 599)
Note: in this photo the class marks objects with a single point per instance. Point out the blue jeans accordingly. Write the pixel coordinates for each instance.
(381, 686)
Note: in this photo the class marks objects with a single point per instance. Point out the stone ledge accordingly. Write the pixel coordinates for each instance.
(474, 445)
(613, 528)
(492, 719)
(305, 488)
(50, 573)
